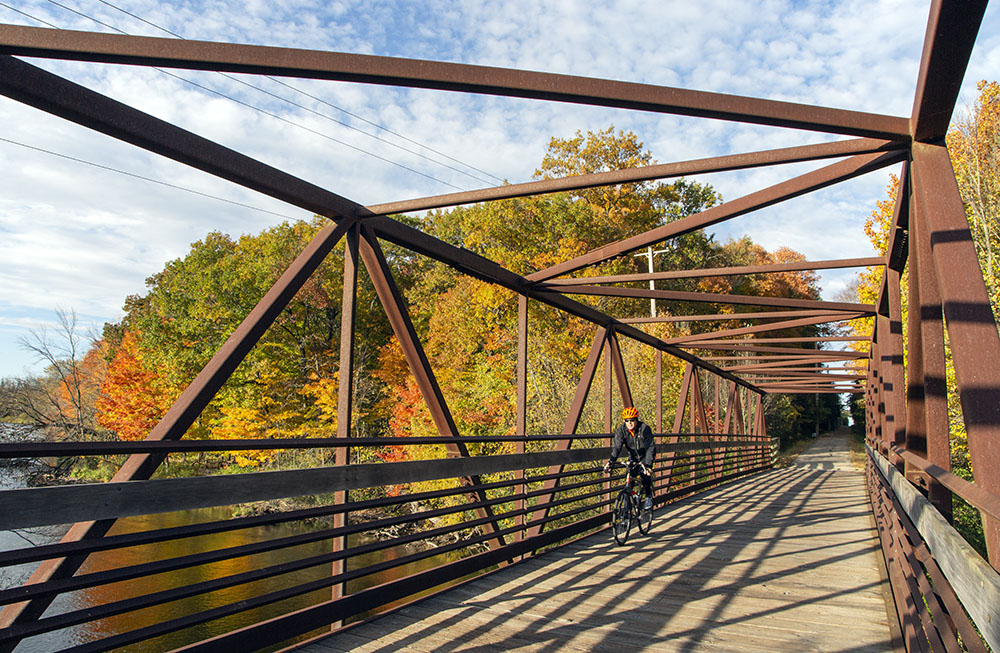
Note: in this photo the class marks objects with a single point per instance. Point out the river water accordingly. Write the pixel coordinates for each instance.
(13, 477)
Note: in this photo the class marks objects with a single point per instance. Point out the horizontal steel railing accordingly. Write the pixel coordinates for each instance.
(574, 508)
(941, 586)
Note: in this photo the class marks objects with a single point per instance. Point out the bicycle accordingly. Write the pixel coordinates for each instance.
(630, 505)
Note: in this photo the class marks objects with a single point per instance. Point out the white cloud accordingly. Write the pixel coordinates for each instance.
(75, 236)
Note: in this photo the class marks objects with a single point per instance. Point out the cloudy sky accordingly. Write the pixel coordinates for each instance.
(77, 236)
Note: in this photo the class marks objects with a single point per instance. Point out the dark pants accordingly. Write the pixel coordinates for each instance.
(647, 479)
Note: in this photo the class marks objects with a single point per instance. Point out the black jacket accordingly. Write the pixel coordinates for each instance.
(639, 445)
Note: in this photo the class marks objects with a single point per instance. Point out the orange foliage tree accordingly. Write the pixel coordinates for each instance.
(133, 397)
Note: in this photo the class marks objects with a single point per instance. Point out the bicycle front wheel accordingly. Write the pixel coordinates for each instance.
(621, 518)
(645, 514)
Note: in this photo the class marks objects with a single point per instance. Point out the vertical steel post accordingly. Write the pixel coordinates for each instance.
(186, 409)
(618, 365)
(416, 359)
(668, 456)
(521, 426)
(897, 373)
(345, 392)
(927, 308)
(659, 391)
(608, 371)
(972, 329)
(569, 427)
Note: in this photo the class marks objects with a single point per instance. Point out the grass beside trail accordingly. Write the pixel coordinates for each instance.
(788, 453)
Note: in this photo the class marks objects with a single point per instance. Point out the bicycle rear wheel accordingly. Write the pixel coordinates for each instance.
(645, 514)
(621, 518)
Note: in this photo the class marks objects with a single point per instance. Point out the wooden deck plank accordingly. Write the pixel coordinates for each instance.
(785, 560)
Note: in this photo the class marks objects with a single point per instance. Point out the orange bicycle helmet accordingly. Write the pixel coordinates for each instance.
(630, 413)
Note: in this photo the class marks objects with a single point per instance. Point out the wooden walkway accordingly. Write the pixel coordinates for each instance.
(783, 561)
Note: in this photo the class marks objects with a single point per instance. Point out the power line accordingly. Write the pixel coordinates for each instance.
(333, 106)
(35, 18)
(267, 113)
(149, 179)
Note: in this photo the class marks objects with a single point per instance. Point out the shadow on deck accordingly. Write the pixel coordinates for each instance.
(784, 560)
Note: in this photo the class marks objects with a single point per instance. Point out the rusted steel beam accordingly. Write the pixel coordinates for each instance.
(33, 86)
(521, 418)
(368, 69)
(618, 365)
(345, 390)
(188, 406)
(608, 380)
(788, 360)
(645, 173)
(345, 385)
(481, 268)
(682, 398)
(722, 345)
(972, 330)
(659, 392)
(724, 317)
(928, 435)
(753, 360)
(812, 391)
(951, 34)
(762, 328)
(897, 253)
(971, 492)
(569, 429)
(811, 360)
(724, 272)
(521, 421)
(811, 181)
(715, 298)
(804, 339)
(811, 377)
(395, 309)
(751, 372)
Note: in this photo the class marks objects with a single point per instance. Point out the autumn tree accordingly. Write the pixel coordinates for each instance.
(62, 397)
(974, 144)
(133, 397)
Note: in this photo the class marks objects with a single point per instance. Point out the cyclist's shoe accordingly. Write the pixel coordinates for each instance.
(647, 504)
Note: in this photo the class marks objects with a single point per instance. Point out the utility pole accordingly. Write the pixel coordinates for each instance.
(652, 286)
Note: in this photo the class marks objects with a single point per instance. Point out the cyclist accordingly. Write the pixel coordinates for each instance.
(637, 438)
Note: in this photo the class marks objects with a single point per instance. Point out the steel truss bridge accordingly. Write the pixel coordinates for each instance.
(550, 492)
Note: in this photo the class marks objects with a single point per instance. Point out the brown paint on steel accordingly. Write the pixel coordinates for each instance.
(188, 406)
(951, 34)
(722, 345)
(928, 321)
(395, 309)
(682, 398)
(841, 171)
(368, 69)
(481, 268)
(972, 330)
(725, 317)
(645, 173)
(345, 391)
(724, 272)
(569, 429)
(805, 359)
(692, 339)
(978, 496)
(805, 339)
(43, 90)
(618, 365)
(897, 371)
(713, 298)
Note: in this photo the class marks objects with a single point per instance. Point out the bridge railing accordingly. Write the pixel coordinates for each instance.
(405, 529)
(935, 335)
